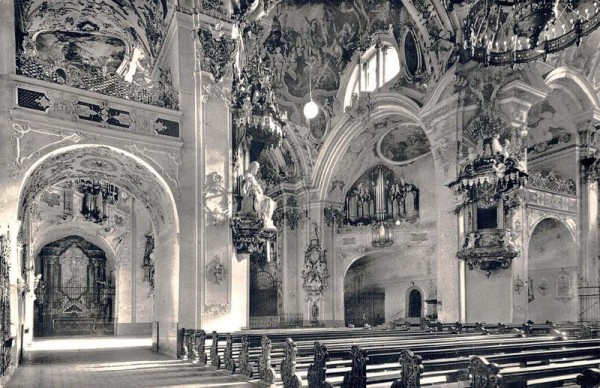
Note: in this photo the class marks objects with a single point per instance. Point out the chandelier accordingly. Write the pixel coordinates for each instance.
(506, 32)
(254, 108)
(381, 236)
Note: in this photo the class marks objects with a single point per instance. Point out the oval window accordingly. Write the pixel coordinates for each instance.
(411, 53)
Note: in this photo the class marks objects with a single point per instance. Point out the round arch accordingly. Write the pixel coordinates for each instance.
(415, 302)
(140, 180)
(572, 81)
(552, 272)
(348, 128)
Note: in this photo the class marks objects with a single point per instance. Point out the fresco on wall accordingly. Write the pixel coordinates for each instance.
(81, 49)
(548, 127)
(403, 144)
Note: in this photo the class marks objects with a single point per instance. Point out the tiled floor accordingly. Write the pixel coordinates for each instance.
(110, 362)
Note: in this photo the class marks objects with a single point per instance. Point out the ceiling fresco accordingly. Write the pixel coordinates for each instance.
(81, 49)
(319, 40)
(80, 29)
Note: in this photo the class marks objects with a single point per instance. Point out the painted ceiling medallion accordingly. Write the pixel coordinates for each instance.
(403, 144)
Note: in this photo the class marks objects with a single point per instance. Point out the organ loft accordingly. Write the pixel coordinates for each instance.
(270, 188)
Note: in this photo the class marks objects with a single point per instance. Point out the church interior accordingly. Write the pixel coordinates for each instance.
(306, 192)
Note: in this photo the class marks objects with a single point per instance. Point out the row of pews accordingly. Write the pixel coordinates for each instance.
(453, 355)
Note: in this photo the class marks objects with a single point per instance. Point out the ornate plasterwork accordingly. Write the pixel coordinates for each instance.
(127, 174)
(215, 53)
(167, 161)
(293, 214)
(217, 201)
(30, 142)
(217, 308)
(139, 24)
(551, 181)
(217, 270)
(315, 273)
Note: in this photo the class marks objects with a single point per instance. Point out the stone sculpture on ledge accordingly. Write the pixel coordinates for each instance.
(254, 200)
(252, 224)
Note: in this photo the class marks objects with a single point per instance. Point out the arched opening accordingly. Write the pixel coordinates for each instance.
(364, 298)
(97, 224)
(552, 278)
(264, 295)
(415, 304)
(77, 293)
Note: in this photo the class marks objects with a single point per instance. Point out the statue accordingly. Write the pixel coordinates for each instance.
(263, 205)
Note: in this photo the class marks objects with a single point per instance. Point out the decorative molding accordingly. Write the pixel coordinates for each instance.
(489, 249)
(215, 53)
(216, 199)
(217, 308)
(315, 273)
(22, 138)
(217, 270)
(551, 181)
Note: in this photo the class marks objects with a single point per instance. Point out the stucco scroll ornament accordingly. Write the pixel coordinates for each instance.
(215, 54)
(217, 270)
(315, 273)
(216, 199)
(24, 148)
(217, 308)
(518, 285)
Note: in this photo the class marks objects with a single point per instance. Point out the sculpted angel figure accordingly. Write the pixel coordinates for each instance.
(263, 204)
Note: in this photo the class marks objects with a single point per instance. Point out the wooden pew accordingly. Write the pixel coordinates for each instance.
(452, 363)
(590, 378)
(491, 375)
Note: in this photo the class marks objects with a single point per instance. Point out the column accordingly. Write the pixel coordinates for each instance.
(442, 132)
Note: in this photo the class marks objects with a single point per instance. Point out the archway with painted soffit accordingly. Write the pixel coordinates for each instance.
(96, 185)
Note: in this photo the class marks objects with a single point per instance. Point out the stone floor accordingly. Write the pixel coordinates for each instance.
(109, 362)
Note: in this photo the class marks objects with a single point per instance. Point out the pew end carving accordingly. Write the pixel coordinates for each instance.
(484, 374)
(411, 370)
(265, 371)
(316, 370)
(215, 359)
(288, 366)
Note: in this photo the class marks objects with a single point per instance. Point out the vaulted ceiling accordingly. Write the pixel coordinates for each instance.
(117, 36)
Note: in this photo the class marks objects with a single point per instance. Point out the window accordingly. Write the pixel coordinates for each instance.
(377, 66)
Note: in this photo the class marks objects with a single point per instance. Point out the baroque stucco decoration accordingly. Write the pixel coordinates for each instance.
(107, 164)
(216, 199)
(108, 47)
(315, 273)
(215, 53)
(217, 270)
(217, 308)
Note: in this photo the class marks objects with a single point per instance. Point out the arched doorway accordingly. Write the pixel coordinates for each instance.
(126, 206)
(364, 299)
(552, 273)
(77, 293)
(415, 303)
(264, 298)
